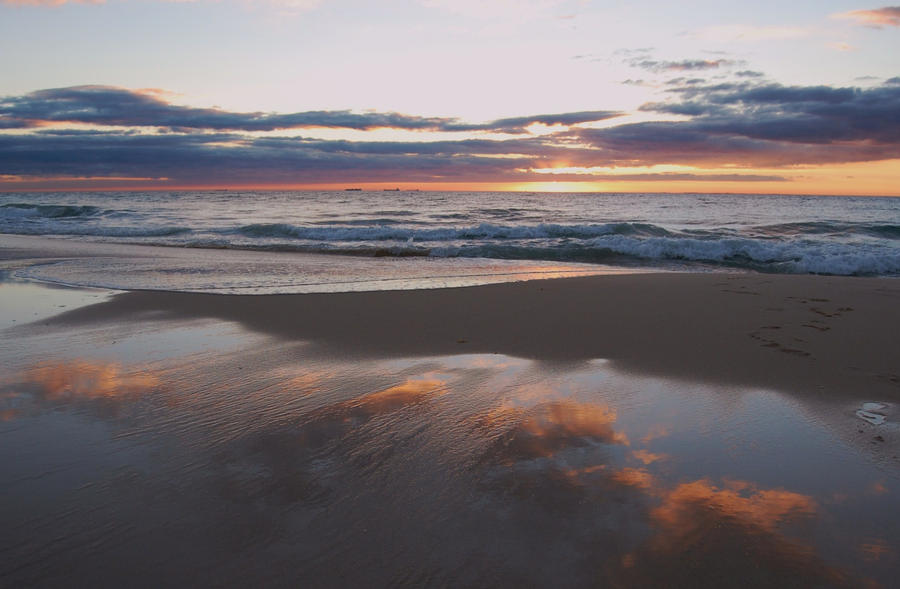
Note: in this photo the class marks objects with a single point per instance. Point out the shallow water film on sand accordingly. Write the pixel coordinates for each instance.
(170, 452)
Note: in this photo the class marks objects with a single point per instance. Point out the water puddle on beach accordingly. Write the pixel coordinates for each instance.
(26, 301)
(236, 459)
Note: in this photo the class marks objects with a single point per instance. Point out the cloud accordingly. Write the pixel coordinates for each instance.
(749, 124)
(841, 46)
(659, 177)
(749, 33)
(49, 2)
(201, 158)
(518, 10)
(684, 65)
(888, 16)
(108, 105)
(289, 7)
(727, 127)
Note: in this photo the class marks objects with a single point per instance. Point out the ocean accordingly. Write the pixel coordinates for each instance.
(361, 240)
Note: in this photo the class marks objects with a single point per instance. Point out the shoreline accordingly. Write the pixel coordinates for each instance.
(817, 334)
(805, 333)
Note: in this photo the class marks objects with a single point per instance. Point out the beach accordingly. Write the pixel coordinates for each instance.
(549, 294)
(687, 429)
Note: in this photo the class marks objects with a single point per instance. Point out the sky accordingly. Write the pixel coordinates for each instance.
(541, 95)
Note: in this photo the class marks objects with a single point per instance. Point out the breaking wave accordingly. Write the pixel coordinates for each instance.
(21, 209)
(439, 230)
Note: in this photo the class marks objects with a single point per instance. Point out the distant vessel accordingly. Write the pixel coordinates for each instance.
(353, 189)
(392, 190)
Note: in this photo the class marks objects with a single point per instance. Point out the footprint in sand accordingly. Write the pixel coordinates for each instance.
(872, 412)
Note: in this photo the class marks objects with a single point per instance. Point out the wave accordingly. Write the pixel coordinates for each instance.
(476, 232)
(820, 247)
(114, 232)
(23, 209)
(765, 256)
(758, 255)
(835, 228)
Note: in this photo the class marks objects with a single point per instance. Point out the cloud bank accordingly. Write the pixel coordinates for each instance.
(106, 105)
(727, 130)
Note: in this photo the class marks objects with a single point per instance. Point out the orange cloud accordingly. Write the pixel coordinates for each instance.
(889, 16)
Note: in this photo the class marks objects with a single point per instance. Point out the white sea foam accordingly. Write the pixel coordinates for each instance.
(821, 235)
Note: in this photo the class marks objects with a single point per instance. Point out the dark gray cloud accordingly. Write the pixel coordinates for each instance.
(685, 81)
(105, 105)
(798, 114)
(746, 124)
(188, 159)
(735, 125)
(230, 158)
(684, 65)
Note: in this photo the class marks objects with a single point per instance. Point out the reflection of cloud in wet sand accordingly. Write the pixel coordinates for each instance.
(876, 549)
(86, 380)
(103, 386)
(708, 535)
(332, 421)
(396, 396)
(633, 477)
(273, 463)
(738, 501)
(647, 457)
(551, 427)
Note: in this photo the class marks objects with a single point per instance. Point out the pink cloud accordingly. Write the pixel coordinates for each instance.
(888, 16)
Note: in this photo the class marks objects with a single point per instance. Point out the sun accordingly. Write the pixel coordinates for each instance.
(554, 187)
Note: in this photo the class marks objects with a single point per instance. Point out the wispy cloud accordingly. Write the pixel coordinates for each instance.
(841, 46)
(888, 16)
(495, 9)
(684, 65)
(108, 105)
(49, 2)
(284, 6)
(749, 33)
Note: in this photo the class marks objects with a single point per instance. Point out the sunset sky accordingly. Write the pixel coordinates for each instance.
(783, 97)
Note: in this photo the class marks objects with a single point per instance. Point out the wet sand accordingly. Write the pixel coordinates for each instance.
(813, 334)
(685, 430)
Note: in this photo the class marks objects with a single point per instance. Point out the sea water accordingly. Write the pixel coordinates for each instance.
(410, 237)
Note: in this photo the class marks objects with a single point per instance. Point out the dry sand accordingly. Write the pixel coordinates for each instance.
(814, 334)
